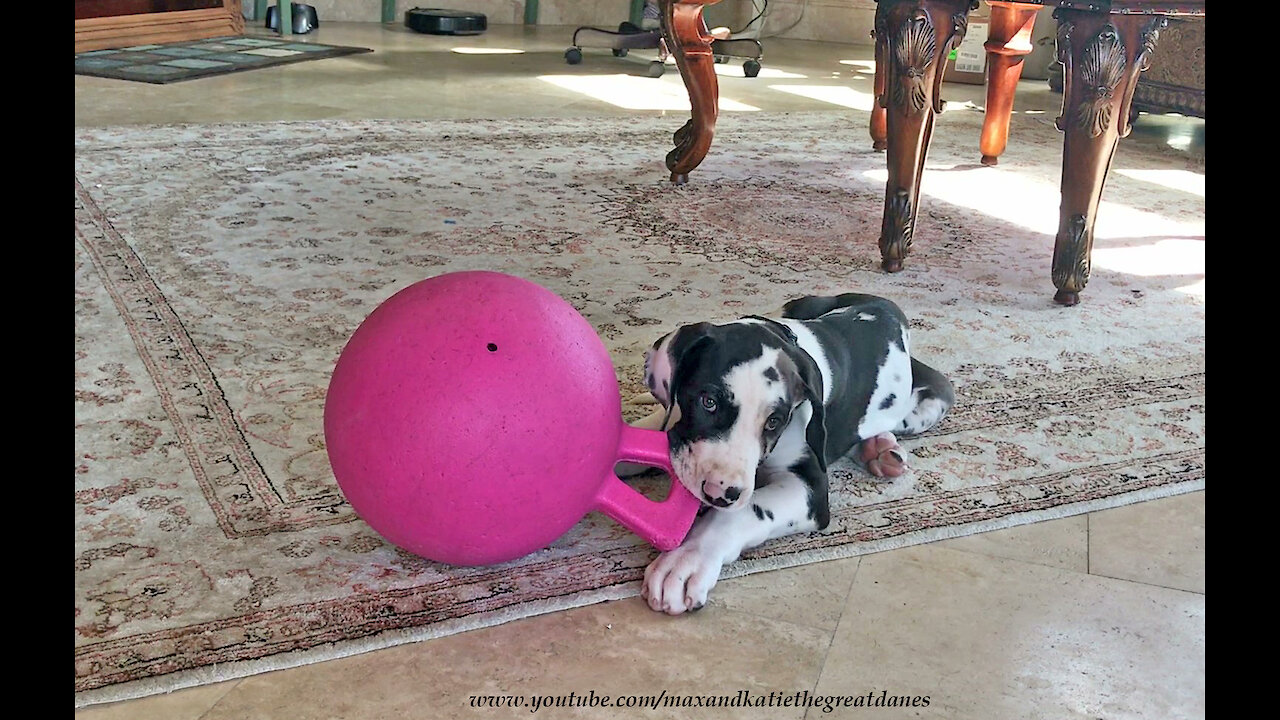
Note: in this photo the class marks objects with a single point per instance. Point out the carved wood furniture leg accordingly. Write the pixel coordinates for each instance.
(1008, 43)
(918, 36)
(690, 44)
(879, 122)
(1102, 56)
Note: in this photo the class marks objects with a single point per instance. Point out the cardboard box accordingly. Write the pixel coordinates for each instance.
(968, 62)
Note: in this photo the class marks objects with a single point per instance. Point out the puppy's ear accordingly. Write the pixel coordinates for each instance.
(686, 350)
(810, 378)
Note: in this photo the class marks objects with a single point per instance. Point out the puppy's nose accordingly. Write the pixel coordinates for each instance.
(728, 496)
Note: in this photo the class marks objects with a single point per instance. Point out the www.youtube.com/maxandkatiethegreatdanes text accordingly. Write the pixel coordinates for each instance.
(742, 699)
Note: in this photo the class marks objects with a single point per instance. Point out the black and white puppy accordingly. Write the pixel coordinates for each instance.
(755, 409)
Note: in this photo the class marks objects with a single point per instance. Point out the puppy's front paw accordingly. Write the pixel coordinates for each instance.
(679, 580)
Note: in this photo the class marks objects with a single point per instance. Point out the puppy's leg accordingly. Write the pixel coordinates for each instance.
(882, 456)
(679, 580)
(932, 395)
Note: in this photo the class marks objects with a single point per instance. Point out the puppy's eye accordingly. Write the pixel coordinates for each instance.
(773, 423)
(708, 403)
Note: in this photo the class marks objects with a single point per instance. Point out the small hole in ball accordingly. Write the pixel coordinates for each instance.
(493, 347)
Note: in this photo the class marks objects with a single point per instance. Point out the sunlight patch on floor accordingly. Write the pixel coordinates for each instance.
(734, 69)
(833, 94)
(1119, 221)
(988, 191)
(1183, 180)
(867, 66)
(1128, 240)
(1195, 289)
(636, 93)
(1170, 256)
(486, 51)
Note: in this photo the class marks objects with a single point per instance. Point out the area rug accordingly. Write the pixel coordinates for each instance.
(175, 62)
(220, 269)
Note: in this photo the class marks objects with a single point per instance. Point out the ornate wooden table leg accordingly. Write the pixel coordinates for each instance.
(690, 44)
(1008, 42)
(879, 123)
(1102, 56)
(918, 35)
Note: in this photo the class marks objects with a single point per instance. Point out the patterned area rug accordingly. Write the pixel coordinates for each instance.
(175, 62)
(219, 271)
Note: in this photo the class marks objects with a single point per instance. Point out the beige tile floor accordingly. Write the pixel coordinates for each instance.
(1094, 616)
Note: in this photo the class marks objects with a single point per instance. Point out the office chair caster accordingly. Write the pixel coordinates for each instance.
(573, 56)
(751, 68)
(656, 68)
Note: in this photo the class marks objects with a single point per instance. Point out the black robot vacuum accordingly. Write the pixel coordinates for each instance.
(304, 18)
(445, 22)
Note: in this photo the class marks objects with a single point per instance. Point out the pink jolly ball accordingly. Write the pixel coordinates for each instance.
(471, 418)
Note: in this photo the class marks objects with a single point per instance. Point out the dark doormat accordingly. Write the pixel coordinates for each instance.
(175, 62)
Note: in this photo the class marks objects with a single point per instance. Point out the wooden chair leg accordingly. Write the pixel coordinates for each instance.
(1102, 56)
(690, 45)
(918, 35)
(1008, 43)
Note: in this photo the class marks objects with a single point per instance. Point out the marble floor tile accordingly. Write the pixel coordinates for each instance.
(986, 638)
(621, 649)
(1062, 543)
(1160, 542)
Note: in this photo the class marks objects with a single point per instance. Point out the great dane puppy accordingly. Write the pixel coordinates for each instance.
(754, 411)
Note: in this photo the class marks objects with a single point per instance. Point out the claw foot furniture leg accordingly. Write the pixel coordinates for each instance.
(690, 45)
(1008, 43)
(917, 36)
(1102, 56)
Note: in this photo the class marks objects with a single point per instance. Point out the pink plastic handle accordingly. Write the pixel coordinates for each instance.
(664, 524)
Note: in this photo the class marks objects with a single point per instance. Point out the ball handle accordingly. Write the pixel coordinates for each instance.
(662, 524)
